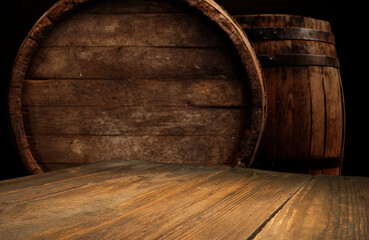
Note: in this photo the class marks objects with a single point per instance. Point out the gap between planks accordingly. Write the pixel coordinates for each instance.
(258, 230)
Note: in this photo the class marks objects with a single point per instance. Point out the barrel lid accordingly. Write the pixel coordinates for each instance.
(208, 8)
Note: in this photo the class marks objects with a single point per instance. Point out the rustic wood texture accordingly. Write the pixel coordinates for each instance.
(143, 200)
(132, 63)
(119, 29)
(305, 102)
(203, 150)
(131, 199)
(154, 92)
(166, 81)
(140, 121)
(328, 207)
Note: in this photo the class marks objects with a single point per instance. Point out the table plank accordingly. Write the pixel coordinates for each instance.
(143, 200)
(328, 207)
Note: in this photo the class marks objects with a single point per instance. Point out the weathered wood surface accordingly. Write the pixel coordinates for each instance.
(135, 7)
(189, 92)
(328, 207)
(131, 30)
(150, 79)
(306, 115)
(143, 200)
(202, 150)
(134, 121)
(131, 199)
(136, 63)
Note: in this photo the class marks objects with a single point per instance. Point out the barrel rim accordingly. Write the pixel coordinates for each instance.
(209, 8)
(289, 33)
(281, 15)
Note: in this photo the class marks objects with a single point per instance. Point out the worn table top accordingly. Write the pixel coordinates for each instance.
(146, 200)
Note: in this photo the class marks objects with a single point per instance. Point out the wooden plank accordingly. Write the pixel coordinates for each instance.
(175, 30)
(166, 92)
(293, 98)
(293, 113)
(301, 110)
(72, 175)
(285, 115)
(190, 202)
(334, 120)
(318, 101)
(133, 121)
(133, 63)
(45, 185)
(202, 150)
(334, 113)
(328, 207)
(135, 6)
(317, 113)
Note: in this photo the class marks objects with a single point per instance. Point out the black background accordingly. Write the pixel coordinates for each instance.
(349, 26)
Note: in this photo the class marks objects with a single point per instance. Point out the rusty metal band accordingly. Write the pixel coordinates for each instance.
(275, 33)
(298, 60)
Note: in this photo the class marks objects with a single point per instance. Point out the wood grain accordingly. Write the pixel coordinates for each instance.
(306, 103)
(292, 114)
(202, 150)
(317, 113)
(327, 207)
(334, 112)
(55, 121)
(133, 63)
(135, 6)
(163, 92)
(144, 200)
(148, 79)
(134, 30)
(130, 199)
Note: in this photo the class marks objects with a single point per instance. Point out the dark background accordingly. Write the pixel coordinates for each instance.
(349, 26)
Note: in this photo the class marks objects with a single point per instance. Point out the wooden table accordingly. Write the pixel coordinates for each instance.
(146, 200)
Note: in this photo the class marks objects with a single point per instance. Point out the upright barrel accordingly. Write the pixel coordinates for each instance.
(159, 80)
(305, 128)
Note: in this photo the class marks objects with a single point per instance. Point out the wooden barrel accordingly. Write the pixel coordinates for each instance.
(157, 80)
(306, 119)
